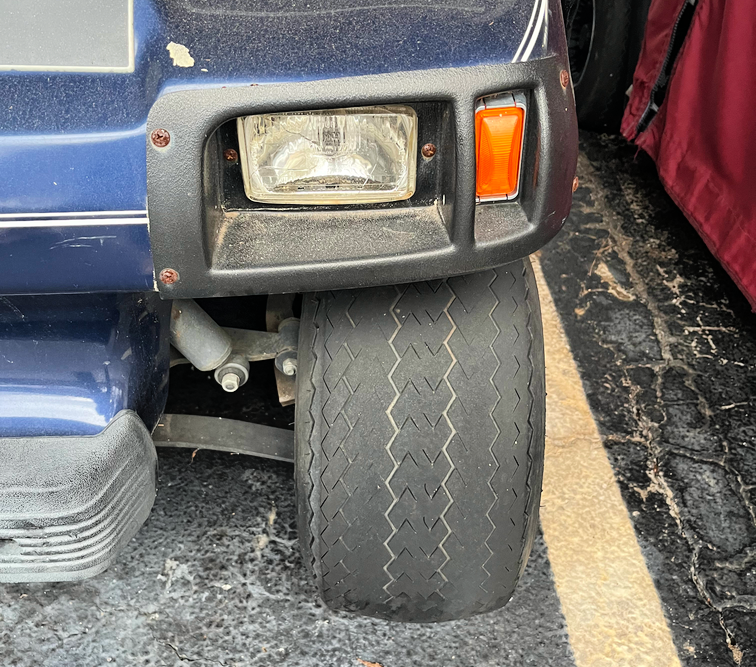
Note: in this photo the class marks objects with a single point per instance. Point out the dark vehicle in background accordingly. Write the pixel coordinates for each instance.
(382, 171)
(604, 39)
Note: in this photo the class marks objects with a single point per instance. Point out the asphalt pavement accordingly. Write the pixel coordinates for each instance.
(664, 345)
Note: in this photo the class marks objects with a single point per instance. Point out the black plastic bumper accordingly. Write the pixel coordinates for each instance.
(218, 252)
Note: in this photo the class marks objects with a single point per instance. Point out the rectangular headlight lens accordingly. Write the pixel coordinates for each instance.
(336, 156)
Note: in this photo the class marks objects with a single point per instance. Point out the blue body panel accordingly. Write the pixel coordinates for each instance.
(69, 364)
(79, 171)
(59, 258)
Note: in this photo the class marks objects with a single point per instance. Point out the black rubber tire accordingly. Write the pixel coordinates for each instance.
(420, 430)
(601, 82)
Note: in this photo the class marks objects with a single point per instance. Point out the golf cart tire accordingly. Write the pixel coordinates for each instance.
(419, 443)
(600, 88)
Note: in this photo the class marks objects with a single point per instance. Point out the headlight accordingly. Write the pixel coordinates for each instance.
(336, 156)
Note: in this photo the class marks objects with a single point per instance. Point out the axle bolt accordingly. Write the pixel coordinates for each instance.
(230, 155)
(230, 382)
(289, 367)
(564, 78)
(160, 138)
(233, 373)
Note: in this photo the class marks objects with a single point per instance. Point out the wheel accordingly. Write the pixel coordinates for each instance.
(419, 443)
(598, 40)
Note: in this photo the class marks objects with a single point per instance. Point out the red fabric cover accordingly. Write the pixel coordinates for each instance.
(703, 138)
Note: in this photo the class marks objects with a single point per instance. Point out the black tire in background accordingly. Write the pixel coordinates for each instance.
(598, 42)
(420, 421)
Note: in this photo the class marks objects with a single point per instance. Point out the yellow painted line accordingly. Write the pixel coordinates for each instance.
(613, 612)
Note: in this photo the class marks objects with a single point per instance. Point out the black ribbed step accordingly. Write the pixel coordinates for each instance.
(68, 505)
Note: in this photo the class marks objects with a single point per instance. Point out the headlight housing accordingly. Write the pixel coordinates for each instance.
(335, 156)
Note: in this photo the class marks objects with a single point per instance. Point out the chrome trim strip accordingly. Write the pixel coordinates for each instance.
(542, 22)
(526, 34)
(74, 219)
(538, 17)
(74, 214)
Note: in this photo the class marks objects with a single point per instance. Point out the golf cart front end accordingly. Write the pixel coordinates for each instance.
(395, 165)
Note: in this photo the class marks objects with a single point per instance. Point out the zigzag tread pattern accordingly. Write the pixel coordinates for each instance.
(420, 443)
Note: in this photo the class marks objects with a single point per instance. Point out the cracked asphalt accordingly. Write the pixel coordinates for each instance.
(665, 347)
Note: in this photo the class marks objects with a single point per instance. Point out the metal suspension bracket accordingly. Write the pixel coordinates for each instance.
(225, 435)
(199, 340)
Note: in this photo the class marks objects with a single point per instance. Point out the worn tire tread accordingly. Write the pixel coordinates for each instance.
(420, 427)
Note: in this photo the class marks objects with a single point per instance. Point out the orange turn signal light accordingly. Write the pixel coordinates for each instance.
(498, 144)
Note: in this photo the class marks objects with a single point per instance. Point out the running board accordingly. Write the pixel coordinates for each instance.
(69, 504)
(225, 435)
